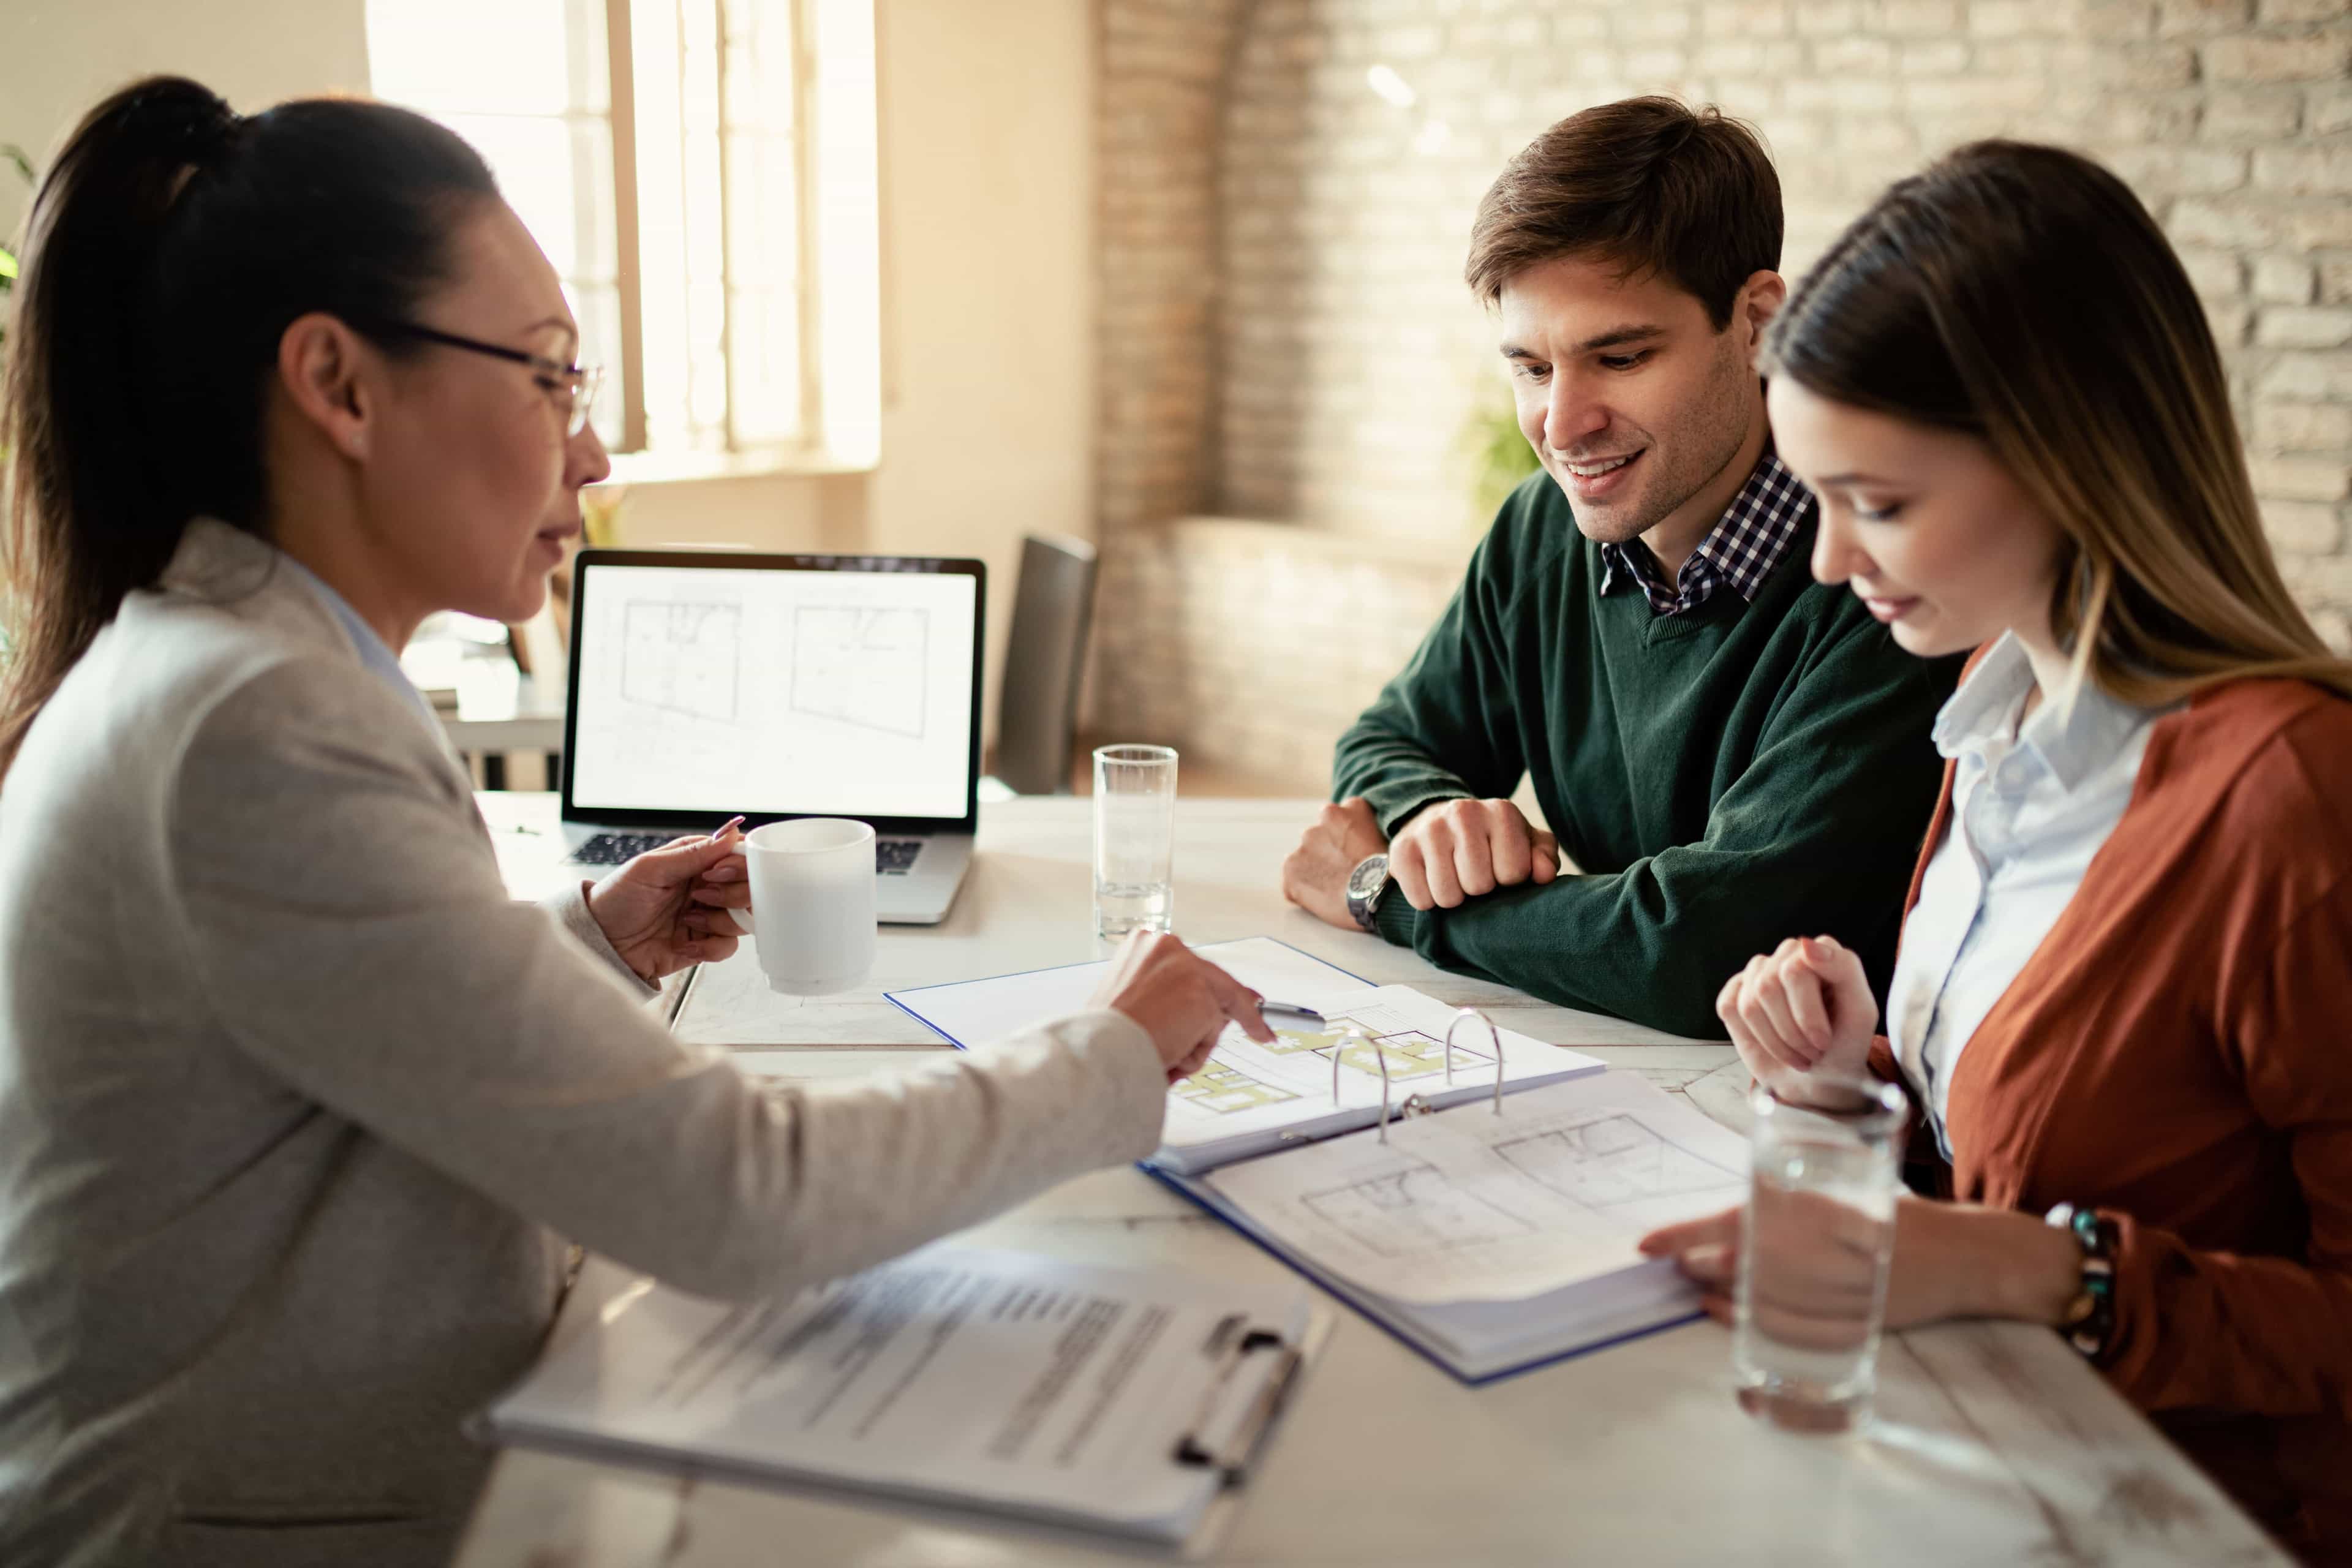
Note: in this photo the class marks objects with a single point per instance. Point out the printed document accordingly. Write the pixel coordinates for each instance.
(957, 1375)
(974, 1012)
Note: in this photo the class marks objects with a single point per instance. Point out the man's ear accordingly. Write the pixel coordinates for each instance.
(1759, 298)
(322, 365)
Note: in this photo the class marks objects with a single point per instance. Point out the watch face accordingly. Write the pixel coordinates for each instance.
(1368, 876)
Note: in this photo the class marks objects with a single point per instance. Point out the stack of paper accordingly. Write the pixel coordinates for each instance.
(1314, 1080)
(1488, 1240)
(1004, 1381)
(1494, 1242)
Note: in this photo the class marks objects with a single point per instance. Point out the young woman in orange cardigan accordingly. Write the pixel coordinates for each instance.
(2123, 1001)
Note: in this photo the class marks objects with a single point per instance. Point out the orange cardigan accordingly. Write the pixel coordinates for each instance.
(2179, 1052)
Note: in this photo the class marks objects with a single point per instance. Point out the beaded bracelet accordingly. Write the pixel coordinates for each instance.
(2091, 1316)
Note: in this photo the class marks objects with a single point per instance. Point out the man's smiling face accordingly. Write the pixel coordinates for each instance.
(1633, 401)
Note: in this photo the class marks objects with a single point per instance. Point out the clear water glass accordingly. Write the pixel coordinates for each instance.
(1135, 840)
(1814, 1261)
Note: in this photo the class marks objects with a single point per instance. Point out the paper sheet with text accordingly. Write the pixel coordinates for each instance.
(954, 1373)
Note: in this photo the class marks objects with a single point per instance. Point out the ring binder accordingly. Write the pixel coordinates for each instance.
(1460, 1019)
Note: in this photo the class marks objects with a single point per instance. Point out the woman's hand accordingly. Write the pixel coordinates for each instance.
(659, 911)
(1182, 1000)
(1805, 1007)
(1951, 1261)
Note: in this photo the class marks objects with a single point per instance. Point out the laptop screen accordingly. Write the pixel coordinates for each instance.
(783, 685)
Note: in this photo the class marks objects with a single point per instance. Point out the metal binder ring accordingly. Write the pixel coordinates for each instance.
(1493, 1033)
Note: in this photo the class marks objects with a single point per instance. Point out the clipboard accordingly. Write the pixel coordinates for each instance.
(1204, 1459)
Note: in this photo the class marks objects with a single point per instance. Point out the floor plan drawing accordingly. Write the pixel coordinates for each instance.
(1292, 1042)
(683, 658)
(1610, 1161)
(1410, 1054)
(1417, 1210)
(1224, 1089)
(862, 665)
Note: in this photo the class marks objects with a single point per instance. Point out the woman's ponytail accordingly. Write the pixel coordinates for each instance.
(77, 366)
(168, 247)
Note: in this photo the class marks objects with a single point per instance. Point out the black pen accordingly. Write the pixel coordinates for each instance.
(1292, 1009)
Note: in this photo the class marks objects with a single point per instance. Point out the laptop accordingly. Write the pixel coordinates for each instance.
(706, 685)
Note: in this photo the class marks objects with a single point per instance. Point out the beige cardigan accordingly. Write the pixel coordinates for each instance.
(297, 1108)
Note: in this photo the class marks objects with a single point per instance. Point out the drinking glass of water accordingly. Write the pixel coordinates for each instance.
(1135, 840)
(1812, 1266)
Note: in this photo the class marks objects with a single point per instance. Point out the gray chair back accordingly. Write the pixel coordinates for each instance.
(1045, 659)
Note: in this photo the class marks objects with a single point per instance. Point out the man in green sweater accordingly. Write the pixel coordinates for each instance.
(1727, 751)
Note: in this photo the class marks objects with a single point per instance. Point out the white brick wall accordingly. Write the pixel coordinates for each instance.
(1285, 335)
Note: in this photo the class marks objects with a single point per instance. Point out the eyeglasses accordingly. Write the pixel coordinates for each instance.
(570, 387)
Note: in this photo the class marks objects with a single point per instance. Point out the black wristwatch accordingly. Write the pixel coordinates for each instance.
(1366, 883)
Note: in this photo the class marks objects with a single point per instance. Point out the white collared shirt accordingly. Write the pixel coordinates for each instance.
(373, 651)
(2031, 806)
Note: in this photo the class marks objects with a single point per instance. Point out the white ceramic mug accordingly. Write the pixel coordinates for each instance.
(812, 890)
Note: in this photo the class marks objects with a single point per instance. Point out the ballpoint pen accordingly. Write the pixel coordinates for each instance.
(1293, 1010)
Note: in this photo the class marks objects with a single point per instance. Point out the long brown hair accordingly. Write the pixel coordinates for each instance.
(170, 245)
(2022, 295)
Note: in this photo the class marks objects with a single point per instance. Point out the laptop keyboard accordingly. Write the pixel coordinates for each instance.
(612, 849)
(892, 857)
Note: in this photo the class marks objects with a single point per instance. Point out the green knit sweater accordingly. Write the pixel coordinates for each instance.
(1722, 778)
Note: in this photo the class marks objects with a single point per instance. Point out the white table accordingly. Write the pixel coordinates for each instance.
(1995, 1444)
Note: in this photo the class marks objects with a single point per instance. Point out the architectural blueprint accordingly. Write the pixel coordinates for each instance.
(1415, 1212)
(1468, 1205)
(683, 659)
(1224, 1091)
(862, 665)
(1612, 1160)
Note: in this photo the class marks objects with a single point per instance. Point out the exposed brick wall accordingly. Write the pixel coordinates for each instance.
(1312, 352)
(1159, 100)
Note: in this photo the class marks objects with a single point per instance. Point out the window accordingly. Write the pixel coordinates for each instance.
(701, 173)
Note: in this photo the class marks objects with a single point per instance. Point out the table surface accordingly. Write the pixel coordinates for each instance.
(1993, 1443)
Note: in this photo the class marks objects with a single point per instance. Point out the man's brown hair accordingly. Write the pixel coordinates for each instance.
(1649, 183)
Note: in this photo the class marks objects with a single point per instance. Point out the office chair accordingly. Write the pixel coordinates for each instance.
(1044, 659)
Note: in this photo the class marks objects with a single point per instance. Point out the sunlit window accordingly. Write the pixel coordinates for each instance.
(701, 172)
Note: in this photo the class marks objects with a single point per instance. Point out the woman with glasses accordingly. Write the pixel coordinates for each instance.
(2123, 1000)
(298, 1111)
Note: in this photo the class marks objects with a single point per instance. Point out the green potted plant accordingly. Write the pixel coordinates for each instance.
(15, 155)
(1496, 452)
(8, 271)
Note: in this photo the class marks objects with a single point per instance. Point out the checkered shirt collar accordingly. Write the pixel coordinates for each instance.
(1743, 547)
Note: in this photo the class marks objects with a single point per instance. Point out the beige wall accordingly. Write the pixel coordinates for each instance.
(988, 204)
(59, 56)
(987, 237)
